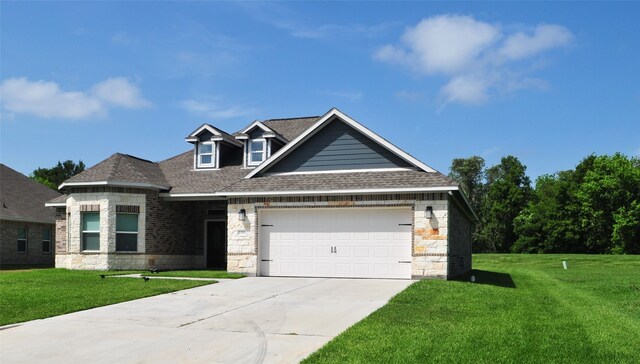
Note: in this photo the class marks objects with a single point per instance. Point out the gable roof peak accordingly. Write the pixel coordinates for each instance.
(218, 134)
(323, 121)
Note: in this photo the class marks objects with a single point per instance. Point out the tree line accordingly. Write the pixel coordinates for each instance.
(54, 176)
(594, 208)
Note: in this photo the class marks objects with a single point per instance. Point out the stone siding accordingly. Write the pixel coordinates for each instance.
(429, 249)
(34, 255)
(459, 241)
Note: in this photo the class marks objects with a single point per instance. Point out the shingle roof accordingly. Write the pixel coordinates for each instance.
(178, 172)
(183, 179)
(23, 198)
(123, 168)
(292, 127)
(342, 181)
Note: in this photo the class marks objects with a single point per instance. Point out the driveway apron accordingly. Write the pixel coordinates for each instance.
(250, 320)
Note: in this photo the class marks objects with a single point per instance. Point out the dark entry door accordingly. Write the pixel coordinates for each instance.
(216, 244)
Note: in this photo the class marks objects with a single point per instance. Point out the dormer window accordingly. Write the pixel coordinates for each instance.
(257, 151)
(206, 155)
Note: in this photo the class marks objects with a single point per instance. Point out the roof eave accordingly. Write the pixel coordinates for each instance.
(114, 184)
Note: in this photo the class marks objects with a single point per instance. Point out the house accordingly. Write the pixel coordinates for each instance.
(27, 227)
(316, 196)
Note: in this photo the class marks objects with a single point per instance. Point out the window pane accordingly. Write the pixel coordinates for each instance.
(205, 159)
(90, 241)
(126, 242)
(256, 157)
(22, 245)
(257, 145)
(206, 148)
(46, 246)
(90, 221)
(127, 222)
(22, 233)
(46, 234)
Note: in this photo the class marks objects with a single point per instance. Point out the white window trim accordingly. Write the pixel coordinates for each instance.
(128, 232)
(49, 241)
(250, 152)
(26, 241)
(213, 155)
(82, 232)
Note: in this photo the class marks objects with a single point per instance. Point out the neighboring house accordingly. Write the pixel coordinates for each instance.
(315, 197)
(27, 227)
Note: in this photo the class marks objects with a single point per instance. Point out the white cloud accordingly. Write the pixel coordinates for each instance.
(443, 44)
(120, 92)
(521, 45)
(476, 57)
(211, 107)
(467, 89)
(46, 99)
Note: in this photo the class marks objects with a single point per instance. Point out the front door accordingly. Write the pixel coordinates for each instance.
(216, 232)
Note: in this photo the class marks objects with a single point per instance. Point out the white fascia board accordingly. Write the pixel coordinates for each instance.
(291, 144)
(224, 138)
(114, 184)
(257, 123)
(55, 204)
(340, 192)
(194, 135)
(351, 122)
(399, 169)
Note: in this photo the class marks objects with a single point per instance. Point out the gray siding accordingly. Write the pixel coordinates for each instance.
(256, 133)
(338, 146)
(204, 136)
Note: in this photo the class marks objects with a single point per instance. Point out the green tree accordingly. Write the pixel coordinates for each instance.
(508, 189)
(54, 176)
(592, 209)
(608, 200)
(469, 173)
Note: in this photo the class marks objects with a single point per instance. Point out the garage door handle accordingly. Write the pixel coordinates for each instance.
(404, 261)
(263, 225)
(267, 260)
(404, 224)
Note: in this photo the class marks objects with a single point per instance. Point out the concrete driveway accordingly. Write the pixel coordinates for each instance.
(250, 320)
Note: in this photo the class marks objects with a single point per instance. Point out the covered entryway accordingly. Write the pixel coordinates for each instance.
(336, 242)
(216, 243)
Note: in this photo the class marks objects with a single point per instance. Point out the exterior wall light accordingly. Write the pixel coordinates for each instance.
(242, 215)
(429, 212)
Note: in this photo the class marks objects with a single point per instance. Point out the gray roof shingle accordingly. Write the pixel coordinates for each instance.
(123, 168)
(23, 198)
(342, 181)
(292, 127)
(184, 179)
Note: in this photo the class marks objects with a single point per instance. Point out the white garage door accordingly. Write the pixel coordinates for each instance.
(354, 243)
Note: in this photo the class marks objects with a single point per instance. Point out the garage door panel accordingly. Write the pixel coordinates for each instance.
(337, 242)
(306, 251)
(361, 251)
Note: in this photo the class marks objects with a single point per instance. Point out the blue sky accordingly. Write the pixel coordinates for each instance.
(547, 82)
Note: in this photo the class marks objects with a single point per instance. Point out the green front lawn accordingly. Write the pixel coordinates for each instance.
(39, 293)
(523, 309)
(195, 274)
